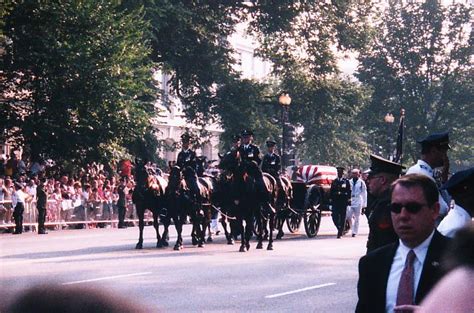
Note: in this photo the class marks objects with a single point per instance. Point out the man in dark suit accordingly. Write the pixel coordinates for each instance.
(340, 196)
(401, 274)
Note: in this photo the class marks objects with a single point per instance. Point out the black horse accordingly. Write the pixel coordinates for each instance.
(253, 201)
(199, 192)
(223, 200)
(177, 203)
(148, 194)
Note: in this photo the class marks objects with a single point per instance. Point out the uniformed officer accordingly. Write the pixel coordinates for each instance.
(461, 187)
(18, 202)
(186, 157)
(41, 201)
(271, 162)
(358, 200)
(236, 142)
(382, 174)
(340, 196)
(248, 151)
(434, 153)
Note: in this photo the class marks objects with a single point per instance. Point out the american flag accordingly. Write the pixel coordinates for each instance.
(316, 174)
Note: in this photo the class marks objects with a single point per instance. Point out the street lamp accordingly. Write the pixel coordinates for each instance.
(284, 100)
(389, 119)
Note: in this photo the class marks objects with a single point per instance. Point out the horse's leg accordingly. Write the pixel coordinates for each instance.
(200, 230)
(263, 227)
(242, 238)
(248, 231)
(271, 221)
(207, 224)
(141, 225)
(156, 225)
(228, 234)
(178, 224)
(166, 220)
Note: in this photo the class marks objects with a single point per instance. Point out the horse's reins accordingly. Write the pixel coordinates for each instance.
(229, 217)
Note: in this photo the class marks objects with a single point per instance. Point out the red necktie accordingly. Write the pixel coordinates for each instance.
(405, 294)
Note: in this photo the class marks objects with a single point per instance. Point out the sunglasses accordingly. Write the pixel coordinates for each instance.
(412, 207)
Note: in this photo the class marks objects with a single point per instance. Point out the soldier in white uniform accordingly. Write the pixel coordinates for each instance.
(434, 153)
(461, 187)
(358, 200)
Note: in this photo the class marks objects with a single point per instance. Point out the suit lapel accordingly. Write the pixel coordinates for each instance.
(382, 278)
(431, 272)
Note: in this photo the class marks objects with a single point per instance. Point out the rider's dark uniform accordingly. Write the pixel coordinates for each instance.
(186, 158)
(271, 164)
(250, 152)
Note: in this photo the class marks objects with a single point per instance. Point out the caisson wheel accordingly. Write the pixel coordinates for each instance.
(293, 222)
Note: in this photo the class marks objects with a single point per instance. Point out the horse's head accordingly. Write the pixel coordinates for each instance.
(252, 168)
(201, 162)
(230, 161)
(189, 173)
(175, 174)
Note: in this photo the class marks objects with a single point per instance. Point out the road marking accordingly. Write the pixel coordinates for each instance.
(298, 290)
(104, 278)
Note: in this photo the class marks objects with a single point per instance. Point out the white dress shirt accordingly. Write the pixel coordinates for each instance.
(456, 219)
(423, 168)
(18, 197)
(397, 268)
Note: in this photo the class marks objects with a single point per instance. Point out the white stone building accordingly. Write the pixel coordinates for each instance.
(171, 122)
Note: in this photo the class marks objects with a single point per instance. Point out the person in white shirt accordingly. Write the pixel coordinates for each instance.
(461, 187)
(358, 200)
(18, 202)
(434, 154)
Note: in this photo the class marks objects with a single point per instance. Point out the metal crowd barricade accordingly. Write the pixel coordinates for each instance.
(55, 213)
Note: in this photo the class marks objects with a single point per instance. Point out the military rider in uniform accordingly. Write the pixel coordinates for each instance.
(186, 157)
(248, 151)
(271, 161)
(271, 164)
(340, 196)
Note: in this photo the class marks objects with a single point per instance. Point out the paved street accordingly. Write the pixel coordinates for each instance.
(300, 275)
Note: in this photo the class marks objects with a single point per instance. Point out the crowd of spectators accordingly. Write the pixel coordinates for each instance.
(86, 194)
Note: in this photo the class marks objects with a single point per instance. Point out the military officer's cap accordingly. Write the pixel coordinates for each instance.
(185, 137)
(341, 168)
(236, 138)
(270, 143)
(381, 165)
(247, 132)
(436, 139)
(460, 180)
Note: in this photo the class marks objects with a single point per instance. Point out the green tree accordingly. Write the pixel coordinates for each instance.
(421, 60)
(190, 41)
(328, 111)
(78, 79)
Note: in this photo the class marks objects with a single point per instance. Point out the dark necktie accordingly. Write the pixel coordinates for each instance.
(405, 294)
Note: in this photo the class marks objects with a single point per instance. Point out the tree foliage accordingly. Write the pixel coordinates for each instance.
(328, 111)
(421, 60)
(77, 78)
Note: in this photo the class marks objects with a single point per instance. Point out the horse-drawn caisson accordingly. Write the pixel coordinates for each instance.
(310, 197)
(253, 201)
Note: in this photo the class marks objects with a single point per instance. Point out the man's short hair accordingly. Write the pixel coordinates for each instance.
(430, 190)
